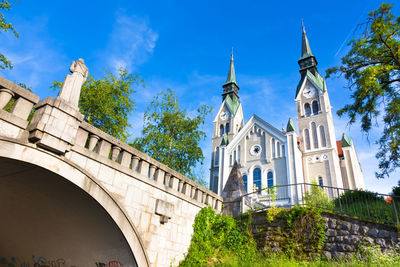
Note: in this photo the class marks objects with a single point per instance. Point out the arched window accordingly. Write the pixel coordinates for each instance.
(216, 159)
(239, 154)
(322, 134)
(307, 109)
(273, 147)
(314, 133)
(230, 160)
(315, 107)
(234, 156)
(278, 149)
(244, 177)
(257, 178)
(283, 150)
(320, 181)
(270, 179)
(307, 139)
(221, 130)
(227, 129)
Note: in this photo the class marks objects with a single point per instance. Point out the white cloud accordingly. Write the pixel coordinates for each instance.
(131, 43)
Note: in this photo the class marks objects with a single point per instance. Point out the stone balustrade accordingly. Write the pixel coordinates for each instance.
(14, 122)
(112, 149)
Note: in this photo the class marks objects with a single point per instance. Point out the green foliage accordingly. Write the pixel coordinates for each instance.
(366, 204)
(5, 26)
(316, 197)
(217, 236)
(304, 232)
(171, 136)
(396, 190)
(106, 103)
(372, 67)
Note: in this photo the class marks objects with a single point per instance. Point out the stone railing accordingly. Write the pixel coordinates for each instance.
(106, 146)
(14, 122)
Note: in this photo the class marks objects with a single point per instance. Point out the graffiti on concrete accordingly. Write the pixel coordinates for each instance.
(43, 262)
(110, 264)
(35, 262)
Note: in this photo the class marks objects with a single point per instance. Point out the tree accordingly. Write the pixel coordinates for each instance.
(372, 68)
(171, 136)
(106, 103)
(5, 26)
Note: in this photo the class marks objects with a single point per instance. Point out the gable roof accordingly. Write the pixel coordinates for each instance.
(255, 120)
(316, 79)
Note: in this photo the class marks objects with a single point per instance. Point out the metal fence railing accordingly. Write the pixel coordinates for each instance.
(359, 203)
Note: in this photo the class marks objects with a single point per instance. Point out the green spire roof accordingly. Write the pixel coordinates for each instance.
(231, 74)
(305, 48)
(224, 141)
(233, 103)
(290, 126)
(346, 141)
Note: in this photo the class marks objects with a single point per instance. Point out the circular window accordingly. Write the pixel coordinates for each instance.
(255, 150)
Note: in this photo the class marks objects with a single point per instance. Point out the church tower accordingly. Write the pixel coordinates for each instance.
(227, 123)
(316, 129)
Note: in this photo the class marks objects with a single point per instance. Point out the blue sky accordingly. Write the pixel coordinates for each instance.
(186, 46)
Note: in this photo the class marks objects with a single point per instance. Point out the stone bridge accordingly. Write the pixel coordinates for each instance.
(72, 195)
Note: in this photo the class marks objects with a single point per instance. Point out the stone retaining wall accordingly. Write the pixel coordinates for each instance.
(343, 234)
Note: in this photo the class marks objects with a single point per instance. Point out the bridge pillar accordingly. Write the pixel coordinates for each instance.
(54, 125)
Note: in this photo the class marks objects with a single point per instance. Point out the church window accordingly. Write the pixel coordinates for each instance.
(257, 178)
(283, 150)
(230, 160)
(320, 181)
(270, 179)
(315, 107)
(221, 130)
(244, 177)
(216, 161)
(278, 150)
(234, 156)
(314, 133)
(273, 147)
(239, 154)
(227, 129)
(307, 139)
(307, 109)
(215, 184)
(322, 134)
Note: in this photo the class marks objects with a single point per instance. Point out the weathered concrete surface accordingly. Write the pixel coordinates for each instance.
(152, 205)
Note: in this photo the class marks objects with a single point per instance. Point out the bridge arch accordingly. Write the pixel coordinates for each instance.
(18, 164)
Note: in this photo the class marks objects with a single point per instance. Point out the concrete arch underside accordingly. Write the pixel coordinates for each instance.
(56, 214)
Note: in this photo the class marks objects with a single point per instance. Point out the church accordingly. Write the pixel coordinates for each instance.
(267, 156)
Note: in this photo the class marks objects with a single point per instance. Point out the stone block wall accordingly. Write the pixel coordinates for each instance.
(343, 234)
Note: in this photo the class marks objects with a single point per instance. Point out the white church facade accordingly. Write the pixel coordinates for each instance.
(267, 156)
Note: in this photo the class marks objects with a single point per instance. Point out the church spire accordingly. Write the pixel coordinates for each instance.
(230, 86)
(305, 47)
(231, 74)
(307, 60)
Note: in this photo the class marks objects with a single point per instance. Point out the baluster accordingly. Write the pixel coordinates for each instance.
(167, 177)
(115, 152)
(93, 139)
(152, 171)
(5, 97)
(135, 161)
(144, 168)
(193, 192)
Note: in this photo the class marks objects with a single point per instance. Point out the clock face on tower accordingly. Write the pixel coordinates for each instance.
(309, 92)
(224, 115)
